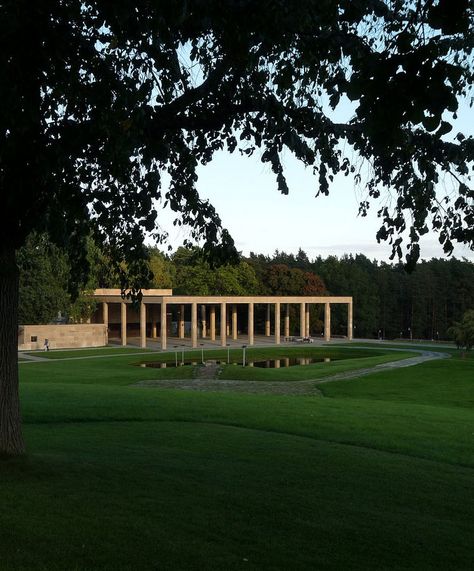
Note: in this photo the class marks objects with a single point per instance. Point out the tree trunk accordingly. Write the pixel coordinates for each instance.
(11, 439)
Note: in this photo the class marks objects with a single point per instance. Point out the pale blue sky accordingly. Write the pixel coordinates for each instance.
(261, 220)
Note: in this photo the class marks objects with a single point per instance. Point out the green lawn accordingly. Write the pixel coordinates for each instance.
(444, 383)
(376, 474)
(345, 359)
(442, 347)
(94, 352)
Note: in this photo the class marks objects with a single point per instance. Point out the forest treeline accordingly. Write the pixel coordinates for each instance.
(388, 301)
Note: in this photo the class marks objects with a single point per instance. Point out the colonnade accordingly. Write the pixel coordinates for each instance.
(228, 321)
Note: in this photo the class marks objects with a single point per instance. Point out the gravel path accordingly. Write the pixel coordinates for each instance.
(25, 358)
(306, 388)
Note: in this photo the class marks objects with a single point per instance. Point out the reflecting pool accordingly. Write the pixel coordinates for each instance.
(264, 364)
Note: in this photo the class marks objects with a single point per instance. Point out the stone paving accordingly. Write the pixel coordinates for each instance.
(25, 357)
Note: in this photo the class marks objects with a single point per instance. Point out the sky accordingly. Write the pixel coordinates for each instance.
(244, 192)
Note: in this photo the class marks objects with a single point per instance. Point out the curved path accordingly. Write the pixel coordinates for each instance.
(306, 387)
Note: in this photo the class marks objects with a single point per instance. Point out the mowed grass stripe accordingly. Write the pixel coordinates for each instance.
(377, 474)
(439, 382)
(180, 496)
(89, 352)
(441, 433)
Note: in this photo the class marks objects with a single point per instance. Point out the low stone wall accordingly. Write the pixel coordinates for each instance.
(31, 337)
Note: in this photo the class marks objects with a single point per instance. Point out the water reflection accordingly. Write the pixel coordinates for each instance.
(289, 362)
(266, 364)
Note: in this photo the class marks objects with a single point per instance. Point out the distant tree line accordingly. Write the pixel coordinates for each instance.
(388, 301)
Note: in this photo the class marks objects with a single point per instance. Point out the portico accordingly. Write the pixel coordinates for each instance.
(216, 314)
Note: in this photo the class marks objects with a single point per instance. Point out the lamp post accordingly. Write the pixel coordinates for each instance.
(176, 355)
(410, 333)
(202, 353)
(182, 355)
(243, 356)
(228, 353)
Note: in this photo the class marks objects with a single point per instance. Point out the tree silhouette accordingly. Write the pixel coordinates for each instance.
(100, 99)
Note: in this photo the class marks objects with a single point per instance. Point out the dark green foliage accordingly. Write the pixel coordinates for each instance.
(45, 293)
(43, 282)
(194, 276)
(162, 268)
(100, 99)
(463, 332)
(420, 304)
(279, 279)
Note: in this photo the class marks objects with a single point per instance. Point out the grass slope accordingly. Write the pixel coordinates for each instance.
(444, 382)
(91, 352)
(377, 474)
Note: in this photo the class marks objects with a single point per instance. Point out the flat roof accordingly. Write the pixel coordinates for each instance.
(166, 295)
(116, 292)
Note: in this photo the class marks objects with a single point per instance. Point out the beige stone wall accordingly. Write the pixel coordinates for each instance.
(62, 336)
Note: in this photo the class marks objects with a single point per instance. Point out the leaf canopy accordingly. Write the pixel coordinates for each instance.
(101, 99)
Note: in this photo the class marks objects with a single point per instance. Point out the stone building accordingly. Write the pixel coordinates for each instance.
(162, 315)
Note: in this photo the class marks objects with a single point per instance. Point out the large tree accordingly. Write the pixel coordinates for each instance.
(463, 332)
(100, 98)
(43, 281)
(194, 276)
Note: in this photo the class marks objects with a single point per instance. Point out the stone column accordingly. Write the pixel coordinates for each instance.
(302, 314)
(142, 324)
(123, 322)
(212, 318)
(153, 321)
(234, 322)
(267, 321)
(227, 321)
(349, 321)
(327, 321)
(194, 325)
(105, 313)
(181, 322)
(287, 320)
(277, 323)
(163, 326)
(105, 318)
(223, 324)
(251, 323)
(203, 321)
(306, 321)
